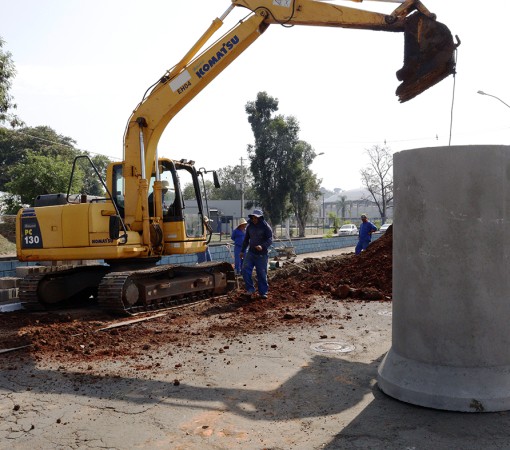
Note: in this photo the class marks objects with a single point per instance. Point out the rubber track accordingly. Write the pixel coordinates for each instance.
(27, 292)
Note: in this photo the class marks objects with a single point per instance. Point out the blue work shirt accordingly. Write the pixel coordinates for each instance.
(365, 230)
(238, 237)
(258, 234)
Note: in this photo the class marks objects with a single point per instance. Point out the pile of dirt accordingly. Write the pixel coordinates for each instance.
(364, 277)
(8, 228)
(7, 236)
(296, 293)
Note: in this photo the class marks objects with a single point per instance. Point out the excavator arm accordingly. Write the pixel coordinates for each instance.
(428, 58)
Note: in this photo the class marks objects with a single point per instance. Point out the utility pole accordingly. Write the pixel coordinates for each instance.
(242, 188)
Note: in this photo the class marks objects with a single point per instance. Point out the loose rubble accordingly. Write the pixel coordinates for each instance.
(86, 335)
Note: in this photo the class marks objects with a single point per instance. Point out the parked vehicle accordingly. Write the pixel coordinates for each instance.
(348, 229)
(385, 227)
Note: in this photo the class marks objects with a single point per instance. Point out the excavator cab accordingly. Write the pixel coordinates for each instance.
(429, 55)
(182, 209)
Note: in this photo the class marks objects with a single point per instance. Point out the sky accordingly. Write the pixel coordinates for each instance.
(83, 66)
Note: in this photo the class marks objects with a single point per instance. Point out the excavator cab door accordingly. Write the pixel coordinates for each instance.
(429, 55)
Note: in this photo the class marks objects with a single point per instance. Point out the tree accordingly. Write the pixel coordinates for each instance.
(378, 178)
(39, 175)
(230, 179)
(267, 156)
(277, 158)
(17, 150)
(305, 189)
(341, 205)
(10, 204)
(41, 140)
(188, 192)
(7, 73)
(91, 183)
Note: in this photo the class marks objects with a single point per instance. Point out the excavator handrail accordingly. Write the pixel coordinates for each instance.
(122, 239)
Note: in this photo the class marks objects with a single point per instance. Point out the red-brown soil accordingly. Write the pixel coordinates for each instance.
(296, 291)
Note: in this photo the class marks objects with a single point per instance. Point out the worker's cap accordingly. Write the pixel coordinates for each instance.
(363, 216)
(256, 213)
(242, 221)
(165, 184)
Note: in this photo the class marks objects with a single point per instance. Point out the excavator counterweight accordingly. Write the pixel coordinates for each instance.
(429, 55)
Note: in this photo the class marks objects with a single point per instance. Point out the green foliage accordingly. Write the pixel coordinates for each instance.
(334, 220)
(341, 205)
(91, 182)
(36, 161)
(267, 156)
(7, 73)
(10, 204)
(41, 140)
(188, 192)
(279, 162)
(39, 174)
(304, 190)
(230, 179)
(207, 190)
(329, 234)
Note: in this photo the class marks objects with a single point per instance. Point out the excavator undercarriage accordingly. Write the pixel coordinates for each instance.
(127, 292)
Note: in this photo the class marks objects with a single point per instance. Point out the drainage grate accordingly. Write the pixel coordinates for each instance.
(332, 347)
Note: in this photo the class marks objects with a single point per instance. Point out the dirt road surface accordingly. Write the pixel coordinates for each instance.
(297, 371)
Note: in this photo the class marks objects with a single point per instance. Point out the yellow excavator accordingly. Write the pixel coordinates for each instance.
(143, 215)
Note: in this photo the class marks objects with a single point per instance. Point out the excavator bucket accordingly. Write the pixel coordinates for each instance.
(428, 55)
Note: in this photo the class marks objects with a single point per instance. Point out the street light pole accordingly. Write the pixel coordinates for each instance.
(493, 96)
(323, 208)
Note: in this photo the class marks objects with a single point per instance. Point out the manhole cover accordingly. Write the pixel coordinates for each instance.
(385, 312)
(332, 347)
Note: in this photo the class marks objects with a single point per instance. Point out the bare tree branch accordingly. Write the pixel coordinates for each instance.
(377, 178)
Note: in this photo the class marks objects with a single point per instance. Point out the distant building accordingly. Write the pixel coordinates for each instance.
(350, 204)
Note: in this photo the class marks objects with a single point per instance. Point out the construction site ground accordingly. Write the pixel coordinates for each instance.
(296, 371)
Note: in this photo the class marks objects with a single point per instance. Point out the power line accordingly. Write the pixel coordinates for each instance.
(62, 144)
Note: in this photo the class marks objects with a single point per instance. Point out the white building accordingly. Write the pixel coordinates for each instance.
(349, 205)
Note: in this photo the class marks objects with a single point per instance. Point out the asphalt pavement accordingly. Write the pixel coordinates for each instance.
(304, 387)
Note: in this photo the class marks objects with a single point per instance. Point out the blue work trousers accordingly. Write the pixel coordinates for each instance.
(259, 262)
(238, 261)
(362, 245)
(204, 256)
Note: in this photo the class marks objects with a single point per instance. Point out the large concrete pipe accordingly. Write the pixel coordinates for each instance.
(451, 279)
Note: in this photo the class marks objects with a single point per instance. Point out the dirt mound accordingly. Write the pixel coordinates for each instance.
(366, 276)
(8, 229)
(296, 293)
